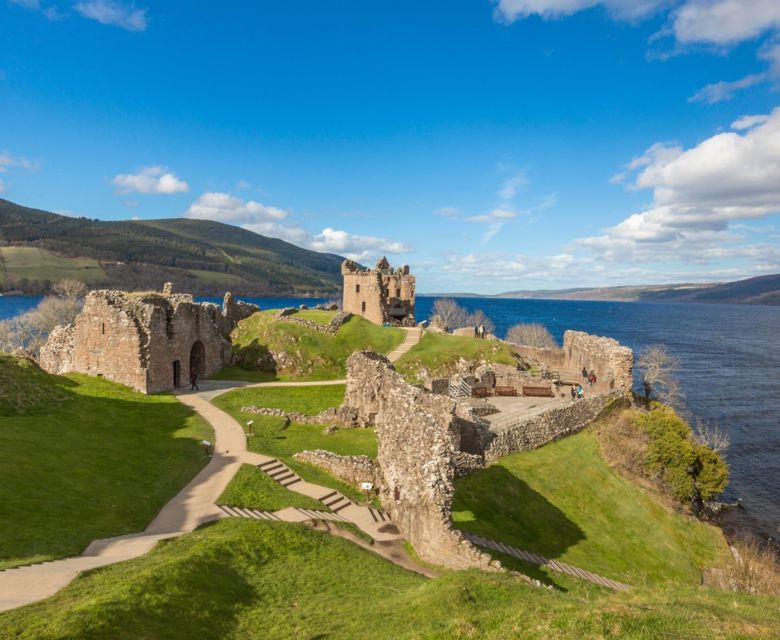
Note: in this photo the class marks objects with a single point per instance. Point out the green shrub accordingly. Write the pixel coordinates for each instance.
(674, 457)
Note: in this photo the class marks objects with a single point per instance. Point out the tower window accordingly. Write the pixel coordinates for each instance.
(357, 288)
(397, 293)
(363, 306)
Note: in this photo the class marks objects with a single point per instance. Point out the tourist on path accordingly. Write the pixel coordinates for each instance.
(592, 377)
(580, 392)
(584, 373)
(573, 393)
(194, 380)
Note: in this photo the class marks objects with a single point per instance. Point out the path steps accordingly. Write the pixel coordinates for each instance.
(534, 558)
(334, 501)
(411, 338)
(255, 514)
(279, 472)
(378, 516)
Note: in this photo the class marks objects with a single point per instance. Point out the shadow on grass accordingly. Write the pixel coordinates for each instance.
(495, 504)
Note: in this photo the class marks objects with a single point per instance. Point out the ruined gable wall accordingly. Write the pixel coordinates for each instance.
(419, 443)
(363, 287)
(612, 362)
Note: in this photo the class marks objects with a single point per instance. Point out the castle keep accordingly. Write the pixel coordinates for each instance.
(381, 294)
(147, 341)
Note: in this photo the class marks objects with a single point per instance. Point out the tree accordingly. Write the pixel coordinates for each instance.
(711, 435)
(531, 335)
(70, 289)
(658, 369)
(479, 317)
(450, 312)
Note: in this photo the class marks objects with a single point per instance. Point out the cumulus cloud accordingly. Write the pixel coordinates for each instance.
(114, 13)
(353, 246)
(272, 221)
(697, 194)
(724, 22)
(150, 180)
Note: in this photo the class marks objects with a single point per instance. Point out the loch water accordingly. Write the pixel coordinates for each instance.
(729, 373)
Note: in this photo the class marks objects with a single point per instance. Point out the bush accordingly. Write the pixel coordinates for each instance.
(683, 466)
(531, 335)
(754, 568)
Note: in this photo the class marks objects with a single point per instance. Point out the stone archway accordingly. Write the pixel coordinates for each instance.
(198, 358)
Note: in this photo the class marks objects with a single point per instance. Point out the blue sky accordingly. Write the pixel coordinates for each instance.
(493, 146)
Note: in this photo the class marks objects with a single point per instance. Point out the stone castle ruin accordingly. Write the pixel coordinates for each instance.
(381, 295)
(148, 341)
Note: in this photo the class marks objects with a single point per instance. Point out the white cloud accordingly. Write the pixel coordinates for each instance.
(150, 180)
(719, 91)
(724, 22)
(511, 10)
(8, 161)
(748, 122)
(269, 221)
(494, 216)
(114, 13)
(512, 185)
(447, 212)
(224, 207)
(697, 194)
(356, 247)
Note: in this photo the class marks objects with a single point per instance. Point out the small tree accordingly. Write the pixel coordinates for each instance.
(531, 335)
(450, 312)
(711, 435)
(479, 317)
(658, 369)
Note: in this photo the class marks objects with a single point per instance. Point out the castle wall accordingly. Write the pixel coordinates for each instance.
(418, 455)
(379, 295)
(135, 339)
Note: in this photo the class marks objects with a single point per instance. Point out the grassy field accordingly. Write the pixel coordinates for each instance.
(257, 580)
(439, 355)
(565, 502)
(254, 489)
(39, 264)
(309, 354)
(85, 458)
(272, 438)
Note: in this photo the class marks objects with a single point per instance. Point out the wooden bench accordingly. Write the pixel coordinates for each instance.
(506, 391)
(538, 391)
(480, 392)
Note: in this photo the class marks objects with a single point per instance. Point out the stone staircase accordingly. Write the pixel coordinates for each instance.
(279, 472)
(535, 558)
(378, 516)
(242, 512)
(335, 501)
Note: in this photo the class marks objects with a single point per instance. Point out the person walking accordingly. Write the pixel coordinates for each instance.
(580, 392)
(584, 373)
(194, 380)
(592, 377)
(573, 393)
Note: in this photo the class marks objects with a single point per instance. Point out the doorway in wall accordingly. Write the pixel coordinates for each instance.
(176, 374)
(198, 358)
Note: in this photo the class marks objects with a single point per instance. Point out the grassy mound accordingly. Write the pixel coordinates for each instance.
(565, 502)
(268, 348)
(254, 489)
(27, 390)
(252, 580)
(439, 353)
(271, 436)
(100, 464)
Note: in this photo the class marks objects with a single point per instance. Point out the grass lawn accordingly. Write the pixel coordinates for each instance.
(565, 502)
(254, 489)
(39, 264)
(241, 579)
(439, 353)
(101, 461)
(272, 438)
(309, 354)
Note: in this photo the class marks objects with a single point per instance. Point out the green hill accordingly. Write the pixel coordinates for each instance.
(200, 256)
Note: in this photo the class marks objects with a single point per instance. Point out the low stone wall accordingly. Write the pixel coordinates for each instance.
(351, 469)
(342, 416)
(551, 358)
(533, 432)
(289, 315)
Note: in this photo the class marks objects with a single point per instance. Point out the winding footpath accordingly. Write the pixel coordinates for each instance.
(196, 504)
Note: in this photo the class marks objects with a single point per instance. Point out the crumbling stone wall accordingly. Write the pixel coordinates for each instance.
(553, 424)
(344, 416)
(147, 341)
(331, 328)
(419, 437)
(351, 469)
(381, 294)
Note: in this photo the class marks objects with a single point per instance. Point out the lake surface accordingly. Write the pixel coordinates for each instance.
(729, 373)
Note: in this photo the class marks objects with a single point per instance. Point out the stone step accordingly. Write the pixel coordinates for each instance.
(378, 516)
(314, 514)
(335, 501)
(252, 514)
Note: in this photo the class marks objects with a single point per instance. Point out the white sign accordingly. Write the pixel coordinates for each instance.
(366, 486)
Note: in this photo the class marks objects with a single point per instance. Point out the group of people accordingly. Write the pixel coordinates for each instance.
(577, 392)
(480, 331)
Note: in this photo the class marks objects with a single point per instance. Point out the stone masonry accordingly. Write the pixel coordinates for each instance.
(419, 442)
(381, 294)
(147, 341)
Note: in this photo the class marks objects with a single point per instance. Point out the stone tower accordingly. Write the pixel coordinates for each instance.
(381, 294)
